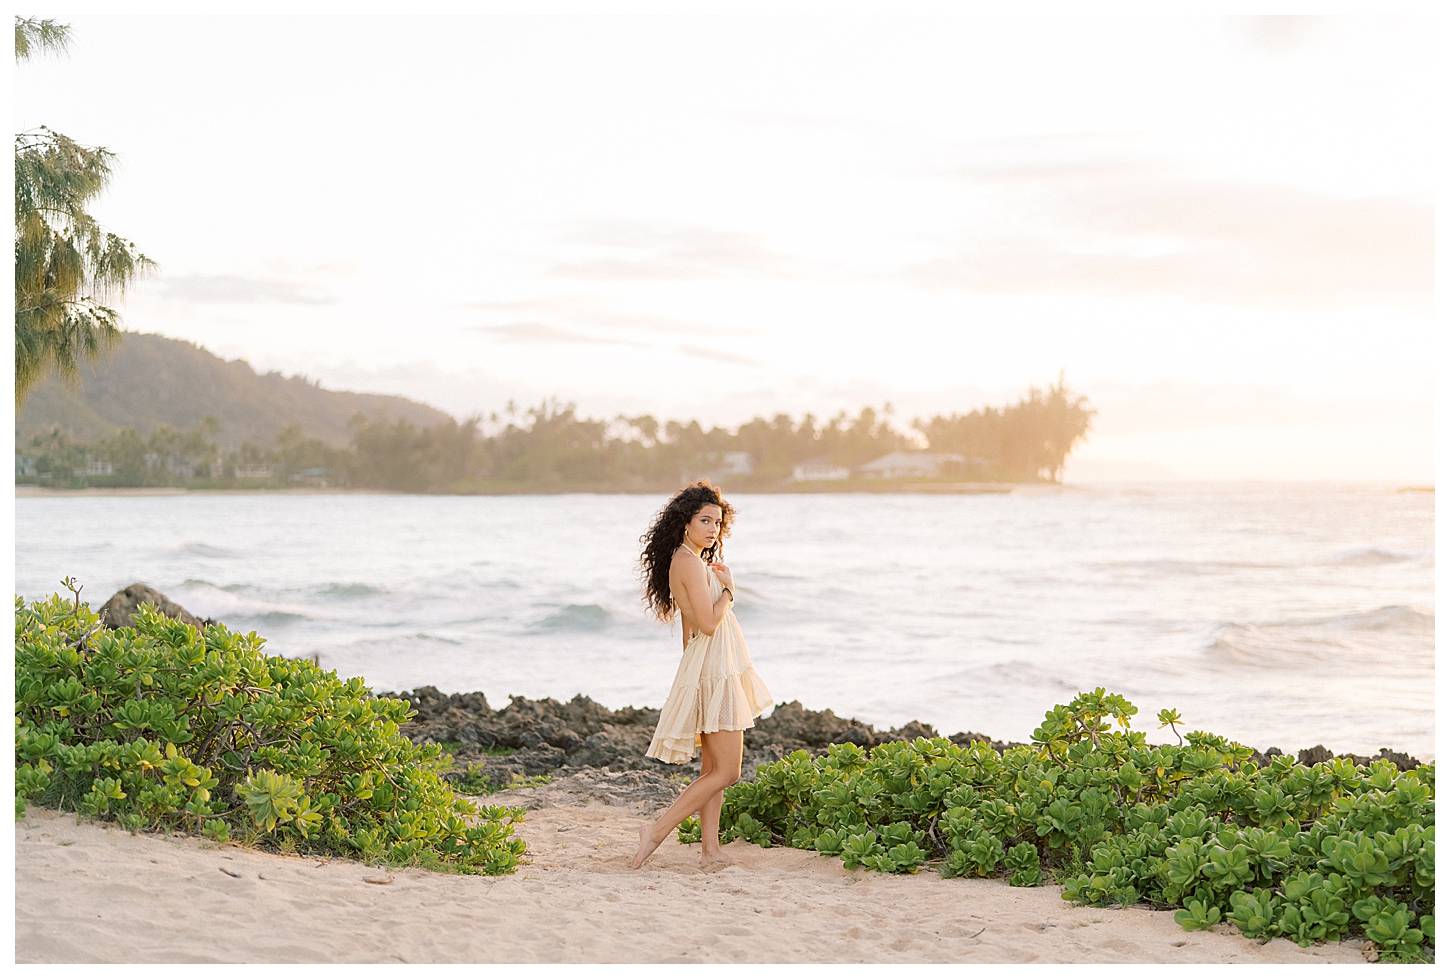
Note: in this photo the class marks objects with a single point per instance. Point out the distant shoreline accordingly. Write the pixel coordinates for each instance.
(951, 489)
(29, 491)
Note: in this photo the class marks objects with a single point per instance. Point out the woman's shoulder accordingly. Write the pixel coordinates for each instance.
(685, 560)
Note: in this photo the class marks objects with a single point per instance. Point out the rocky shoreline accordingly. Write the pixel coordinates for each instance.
(547, 737)
(531, 738)
(495, 749)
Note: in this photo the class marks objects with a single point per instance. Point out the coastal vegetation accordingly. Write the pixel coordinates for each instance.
(1311, 853)
(167, 726)
(549, 448)
(163, 725)
(68, 269)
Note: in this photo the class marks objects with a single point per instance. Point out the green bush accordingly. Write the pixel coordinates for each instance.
(1309, 853)
(163, 725)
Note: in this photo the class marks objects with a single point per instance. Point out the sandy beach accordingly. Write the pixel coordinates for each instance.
(92, 892)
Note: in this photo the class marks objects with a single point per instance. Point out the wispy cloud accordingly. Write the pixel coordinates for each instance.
(724, 356)
(1135, 227)
(805, 122)
(241, 289)
(542, 333)
(596, 314)
(626, 251)
(1279, 33)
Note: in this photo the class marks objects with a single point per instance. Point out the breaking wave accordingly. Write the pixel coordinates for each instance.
(1391, 630)
(353, 590)
(1375, 555)
(576, 618)
(200, 549)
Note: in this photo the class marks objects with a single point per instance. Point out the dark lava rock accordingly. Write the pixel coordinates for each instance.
(1399, 759)
(120, 607)
(910, 731)
(797, 728)
(794, 728)
(1263, 758)
(755, 757)
(579, 727)
(547, 737)
(965, 738)
(1319, 754)
(620, 748)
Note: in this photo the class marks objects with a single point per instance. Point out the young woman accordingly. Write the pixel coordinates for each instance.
(716, 694)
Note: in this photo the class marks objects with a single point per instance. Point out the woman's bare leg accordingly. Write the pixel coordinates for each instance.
(726, 748)
(710, 849)
(709, 836)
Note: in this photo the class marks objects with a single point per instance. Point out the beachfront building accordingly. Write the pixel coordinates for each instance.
(315, 476)
(737, 464)
(911, 465)
(96, 466)
(727, 464)
(818, 469)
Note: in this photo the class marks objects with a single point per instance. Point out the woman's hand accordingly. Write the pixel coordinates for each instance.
(723, 573)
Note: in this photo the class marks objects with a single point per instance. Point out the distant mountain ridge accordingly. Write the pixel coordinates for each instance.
(151, 380)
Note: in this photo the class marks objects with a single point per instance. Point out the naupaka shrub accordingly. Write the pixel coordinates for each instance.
(165, 725)
(1310, 853)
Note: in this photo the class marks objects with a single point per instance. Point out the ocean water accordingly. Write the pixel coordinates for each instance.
(1274, 615)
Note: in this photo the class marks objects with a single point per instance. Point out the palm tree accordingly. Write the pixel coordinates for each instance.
(67, 267)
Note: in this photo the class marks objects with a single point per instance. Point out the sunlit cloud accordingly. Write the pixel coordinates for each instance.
(593, 313)
(1279, 34)
(934, 212)
(627, 251)
(295, 269)
(1139, 228)
(720, 355)
(809, 123)
(240, 289)
(541, 333)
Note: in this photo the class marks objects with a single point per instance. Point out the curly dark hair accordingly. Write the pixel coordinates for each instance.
(666, 534)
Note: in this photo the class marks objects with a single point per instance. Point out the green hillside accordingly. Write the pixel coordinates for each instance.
(153, 380)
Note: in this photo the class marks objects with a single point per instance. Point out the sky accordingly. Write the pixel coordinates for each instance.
(1220, 229)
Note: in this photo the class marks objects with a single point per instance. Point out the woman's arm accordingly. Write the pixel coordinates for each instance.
(695, 601)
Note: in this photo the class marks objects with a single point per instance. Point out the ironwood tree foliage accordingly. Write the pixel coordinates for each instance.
(68, 269)
(1033, 436)
(551, 447)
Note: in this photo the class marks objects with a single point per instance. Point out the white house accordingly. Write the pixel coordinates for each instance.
(905, 465)
(180, 467)
(316, 476)
(818, 469)
(96, 466)
(736, 464)
(731, 464)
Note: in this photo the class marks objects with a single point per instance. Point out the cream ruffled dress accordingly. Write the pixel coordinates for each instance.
(715, 689)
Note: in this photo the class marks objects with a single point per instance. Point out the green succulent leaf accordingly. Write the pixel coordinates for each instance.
(165, 725)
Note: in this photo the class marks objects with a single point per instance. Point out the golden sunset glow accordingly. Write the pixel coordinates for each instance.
(1221, 228)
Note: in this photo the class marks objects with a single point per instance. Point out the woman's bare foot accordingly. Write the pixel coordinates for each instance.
(717, 856)
(647, 845)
